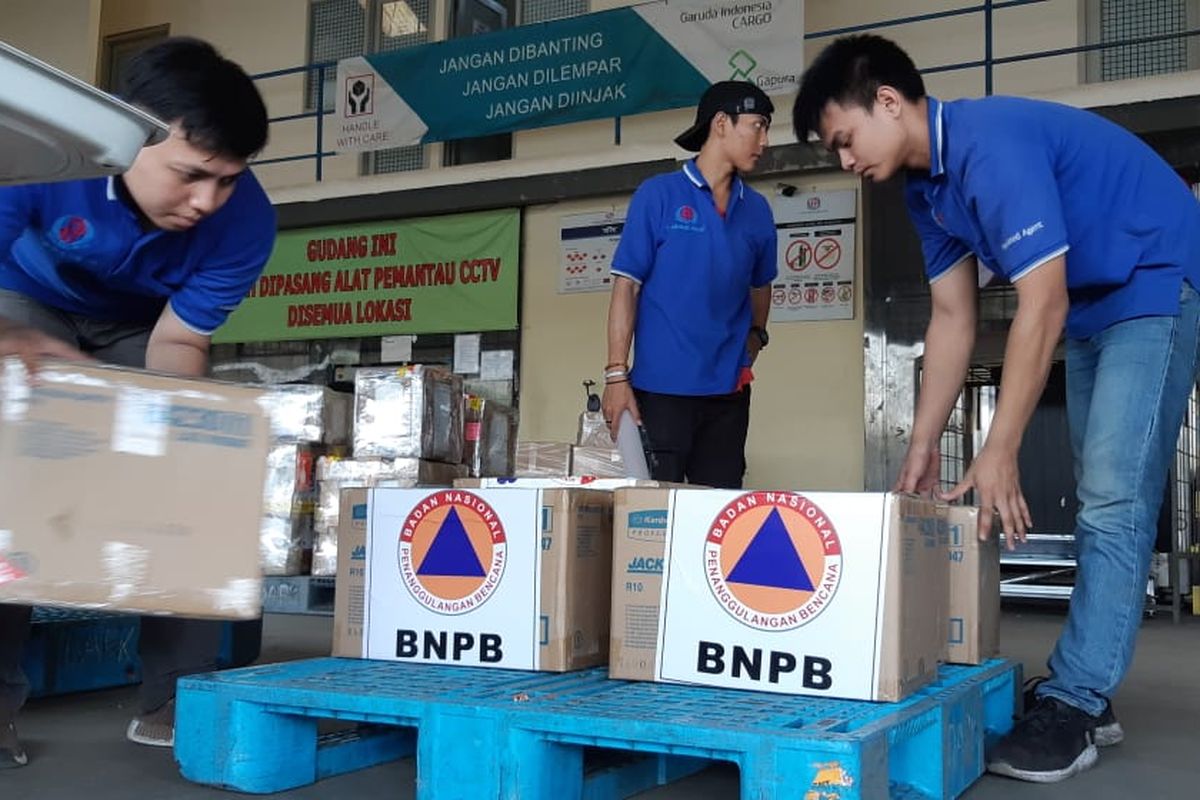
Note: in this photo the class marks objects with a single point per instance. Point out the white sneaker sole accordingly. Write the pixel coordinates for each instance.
(1085, 760)
(132, 735)
(1108, 735)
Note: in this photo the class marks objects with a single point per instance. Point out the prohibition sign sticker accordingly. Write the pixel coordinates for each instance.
(799, 254)
(828, 253)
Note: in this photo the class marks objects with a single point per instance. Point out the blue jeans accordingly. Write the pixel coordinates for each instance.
(1127, 388)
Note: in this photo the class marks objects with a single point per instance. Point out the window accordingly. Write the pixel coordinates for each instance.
(545, 10)
(343, 28)
(471, 18)
(1117, 20)
(120, 48)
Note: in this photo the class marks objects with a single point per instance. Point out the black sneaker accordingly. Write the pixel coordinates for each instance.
(1051, 743)
(12, 754)
(1108, 730)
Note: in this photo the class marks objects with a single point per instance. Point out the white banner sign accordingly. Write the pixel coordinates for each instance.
(615, 63)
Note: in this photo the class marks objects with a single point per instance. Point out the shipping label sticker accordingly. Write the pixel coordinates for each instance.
(142, 422)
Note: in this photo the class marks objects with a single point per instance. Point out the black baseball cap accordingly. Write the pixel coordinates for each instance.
(732, 97)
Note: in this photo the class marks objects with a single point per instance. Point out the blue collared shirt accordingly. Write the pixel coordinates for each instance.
(1017, 182)
(76, 246)
(696, 270)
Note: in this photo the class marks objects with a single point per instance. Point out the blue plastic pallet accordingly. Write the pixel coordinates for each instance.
(480, 733)
(79, 651)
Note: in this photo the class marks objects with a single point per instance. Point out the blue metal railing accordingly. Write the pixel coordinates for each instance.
(988, 63)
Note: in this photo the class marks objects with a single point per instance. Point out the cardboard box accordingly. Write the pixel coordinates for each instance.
(974, 614)
(837, 595)
(408, 412)
(577, 482)
(337, 474)
(543, 460)
(511, 578)
(130, 491)
(349, 601)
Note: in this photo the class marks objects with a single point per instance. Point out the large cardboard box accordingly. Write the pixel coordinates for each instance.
(513, 578)
(130, 491)
(974, 624)
(576, 482)
(838, 595)
(349, 601)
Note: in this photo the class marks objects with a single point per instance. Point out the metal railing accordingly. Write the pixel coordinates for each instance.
(988, 63)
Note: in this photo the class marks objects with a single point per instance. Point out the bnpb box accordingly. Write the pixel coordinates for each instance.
(827, 594)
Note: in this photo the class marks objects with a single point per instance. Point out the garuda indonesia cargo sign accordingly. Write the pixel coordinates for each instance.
(609, 64)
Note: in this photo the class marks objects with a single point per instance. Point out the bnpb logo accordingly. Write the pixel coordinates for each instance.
(452, 552)
(773, 560)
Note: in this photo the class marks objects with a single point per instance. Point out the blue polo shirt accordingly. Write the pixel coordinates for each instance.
(696, 270)
(1017, 182)
(76, 246)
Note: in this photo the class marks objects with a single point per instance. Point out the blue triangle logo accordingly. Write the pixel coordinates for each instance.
(451, 554)
(771, 559)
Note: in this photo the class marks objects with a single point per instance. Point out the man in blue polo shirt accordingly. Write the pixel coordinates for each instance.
(691, 289)
(139, 270)
(1094, 230)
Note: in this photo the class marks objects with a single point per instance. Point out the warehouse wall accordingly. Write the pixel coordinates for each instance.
(807, 421)
(806, 428)
(64, 33)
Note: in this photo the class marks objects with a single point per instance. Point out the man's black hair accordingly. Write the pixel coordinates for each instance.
(214, 101)
(849, 72)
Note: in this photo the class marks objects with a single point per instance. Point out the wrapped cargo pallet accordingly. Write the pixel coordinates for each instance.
(408, 412)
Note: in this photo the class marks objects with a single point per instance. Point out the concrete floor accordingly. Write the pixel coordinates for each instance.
(78, 749)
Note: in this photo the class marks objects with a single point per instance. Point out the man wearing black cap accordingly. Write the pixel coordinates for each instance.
(691, 292)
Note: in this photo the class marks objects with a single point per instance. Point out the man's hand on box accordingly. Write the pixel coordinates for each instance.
(33, 347)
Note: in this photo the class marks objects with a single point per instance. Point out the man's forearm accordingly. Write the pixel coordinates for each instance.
(622, 313)
(949, 341)
(760, 306)
(177, 358)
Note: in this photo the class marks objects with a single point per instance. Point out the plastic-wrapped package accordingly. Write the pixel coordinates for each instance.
(408, 412)
(593, 430)
(600, 462)
(289, 497)
(490, 438)
(286, 543)
(543, 460)
(309, 413)
(336, 474)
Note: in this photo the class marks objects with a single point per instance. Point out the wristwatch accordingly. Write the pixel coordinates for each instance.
(763, 338)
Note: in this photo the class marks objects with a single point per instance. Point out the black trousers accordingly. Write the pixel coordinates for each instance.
(170, 647)
(700, 440)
